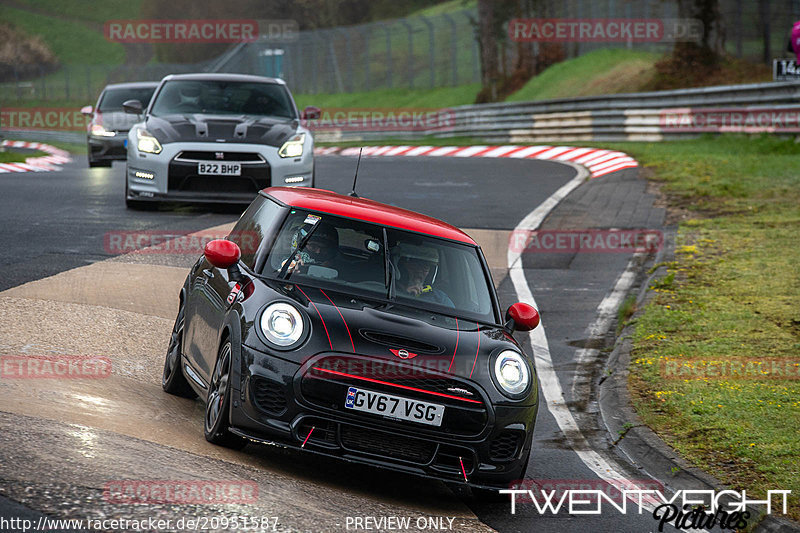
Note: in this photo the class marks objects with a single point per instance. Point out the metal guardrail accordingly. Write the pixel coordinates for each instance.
(653, 116)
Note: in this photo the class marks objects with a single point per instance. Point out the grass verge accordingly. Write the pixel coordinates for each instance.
(10, 156)
(716, 352)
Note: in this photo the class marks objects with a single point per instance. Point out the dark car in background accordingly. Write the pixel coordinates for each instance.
(109, 124)
(356, 330)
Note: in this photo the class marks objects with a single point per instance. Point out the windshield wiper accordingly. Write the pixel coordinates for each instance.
(388, 267)
(295, 256)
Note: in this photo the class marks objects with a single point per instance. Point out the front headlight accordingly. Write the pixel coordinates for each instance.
(146, 142)
(511, 373)
(282, 324)
(293, 147)
(100, 131)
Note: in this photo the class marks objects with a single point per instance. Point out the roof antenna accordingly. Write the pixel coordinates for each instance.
(355, 178)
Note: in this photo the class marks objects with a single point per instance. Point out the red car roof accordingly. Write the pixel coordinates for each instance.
(366, 210)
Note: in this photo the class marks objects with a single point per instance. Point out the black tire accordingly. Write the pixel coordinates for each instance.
(215, 425)
(173, 380)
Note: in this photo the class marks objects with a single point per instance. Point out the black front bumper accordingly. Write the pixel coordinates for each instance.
(278, 403)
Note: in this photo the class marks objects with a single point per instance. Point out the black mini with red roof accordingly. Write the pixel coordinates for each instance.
(357, 330)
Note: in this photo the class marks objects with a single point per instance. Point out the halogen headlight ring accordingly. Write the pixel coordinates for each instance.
(283, 325)
(511, 374)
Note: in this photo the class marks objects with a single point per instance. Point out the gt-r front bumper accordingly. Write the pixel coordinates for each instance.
(478, 443)
(172, 174)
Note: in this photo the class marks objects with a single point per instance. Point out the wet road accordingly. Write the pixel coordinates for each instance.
(63, 441)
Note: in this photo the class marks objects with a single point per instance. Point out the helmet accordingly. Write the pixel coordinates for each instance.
(321, 247)
(189, 94)
(407, 253)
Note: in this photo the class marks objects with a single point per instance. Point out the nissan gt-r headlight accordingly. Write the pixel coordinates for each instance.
(511, 373)
(293, 147)
(282, 324)
(147, 143)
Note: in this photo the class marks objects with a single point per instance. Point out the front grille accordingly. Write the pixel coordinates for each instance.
(327, 381)
(505, 445)
(183, 177)
(269, 396)
(386, 444)
(214, 184)
(196, 155)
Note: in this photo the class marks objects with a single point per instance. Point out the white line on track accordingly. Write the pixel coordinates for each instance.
(551, 387)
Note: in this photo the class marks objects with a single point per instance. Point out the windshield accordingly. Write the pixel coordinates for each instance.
(112, 99)
(423, 272)
(223, 98)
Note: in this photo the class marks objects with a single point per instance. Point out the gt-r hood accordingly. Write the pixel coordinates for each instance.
(217, 128)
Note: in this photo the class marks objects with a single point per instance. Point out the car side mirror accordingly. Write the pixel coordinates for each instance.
(86, 110)
(224, 255)
(521, 317)
(310, 113)
(134, 107)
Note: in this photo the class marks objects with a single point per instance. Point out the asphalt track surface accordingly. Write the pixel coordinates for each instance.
(63, 292)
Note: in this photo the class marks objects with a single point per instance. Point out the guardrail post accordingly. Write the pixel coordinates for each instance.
(405, 23)
(453, 47)
(44, 85)
(388, 53)
(66, 82)
(432, 49)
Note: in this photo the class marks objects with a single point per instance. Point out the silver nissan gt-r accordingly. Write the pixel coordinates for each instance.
(216, 138)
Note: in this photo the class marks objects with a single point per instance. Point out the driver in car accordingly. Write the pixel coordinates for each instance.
(322, 249)
(418, 266)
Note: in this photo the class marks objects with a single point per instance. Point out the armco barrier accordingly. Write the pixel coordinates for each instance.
(654, 116)
(760, 107)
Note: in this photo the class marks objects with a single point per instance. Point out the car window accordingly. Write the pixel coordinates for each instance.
(224, 98)
(428, 272)
(257, 223)
(112, 99)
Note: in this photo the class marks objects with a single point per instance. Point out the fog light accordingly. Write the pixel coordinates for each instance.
(144, 175)
(293, 179)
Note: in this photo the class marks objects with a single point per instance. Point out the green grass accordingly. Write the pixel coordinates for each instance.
(607, 71)
(394, 98)
(71, 42)
(10, 156)
(731, 294)
(87, 10)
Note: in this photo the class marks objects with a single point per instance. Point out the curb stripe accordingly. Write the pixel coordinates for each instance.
(598, 161)
(44, 163)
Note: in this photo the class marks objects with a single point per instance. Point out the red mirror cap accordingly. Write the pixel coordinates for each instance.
(86, 110)
(311, 113)
(525, 316)
(222, 253)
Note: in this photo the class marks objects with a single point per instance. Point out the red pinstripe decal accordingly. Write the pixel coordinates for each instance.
(406, 387)
(454, 351)
(318, 313)
(343, 320)
(476, 351)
